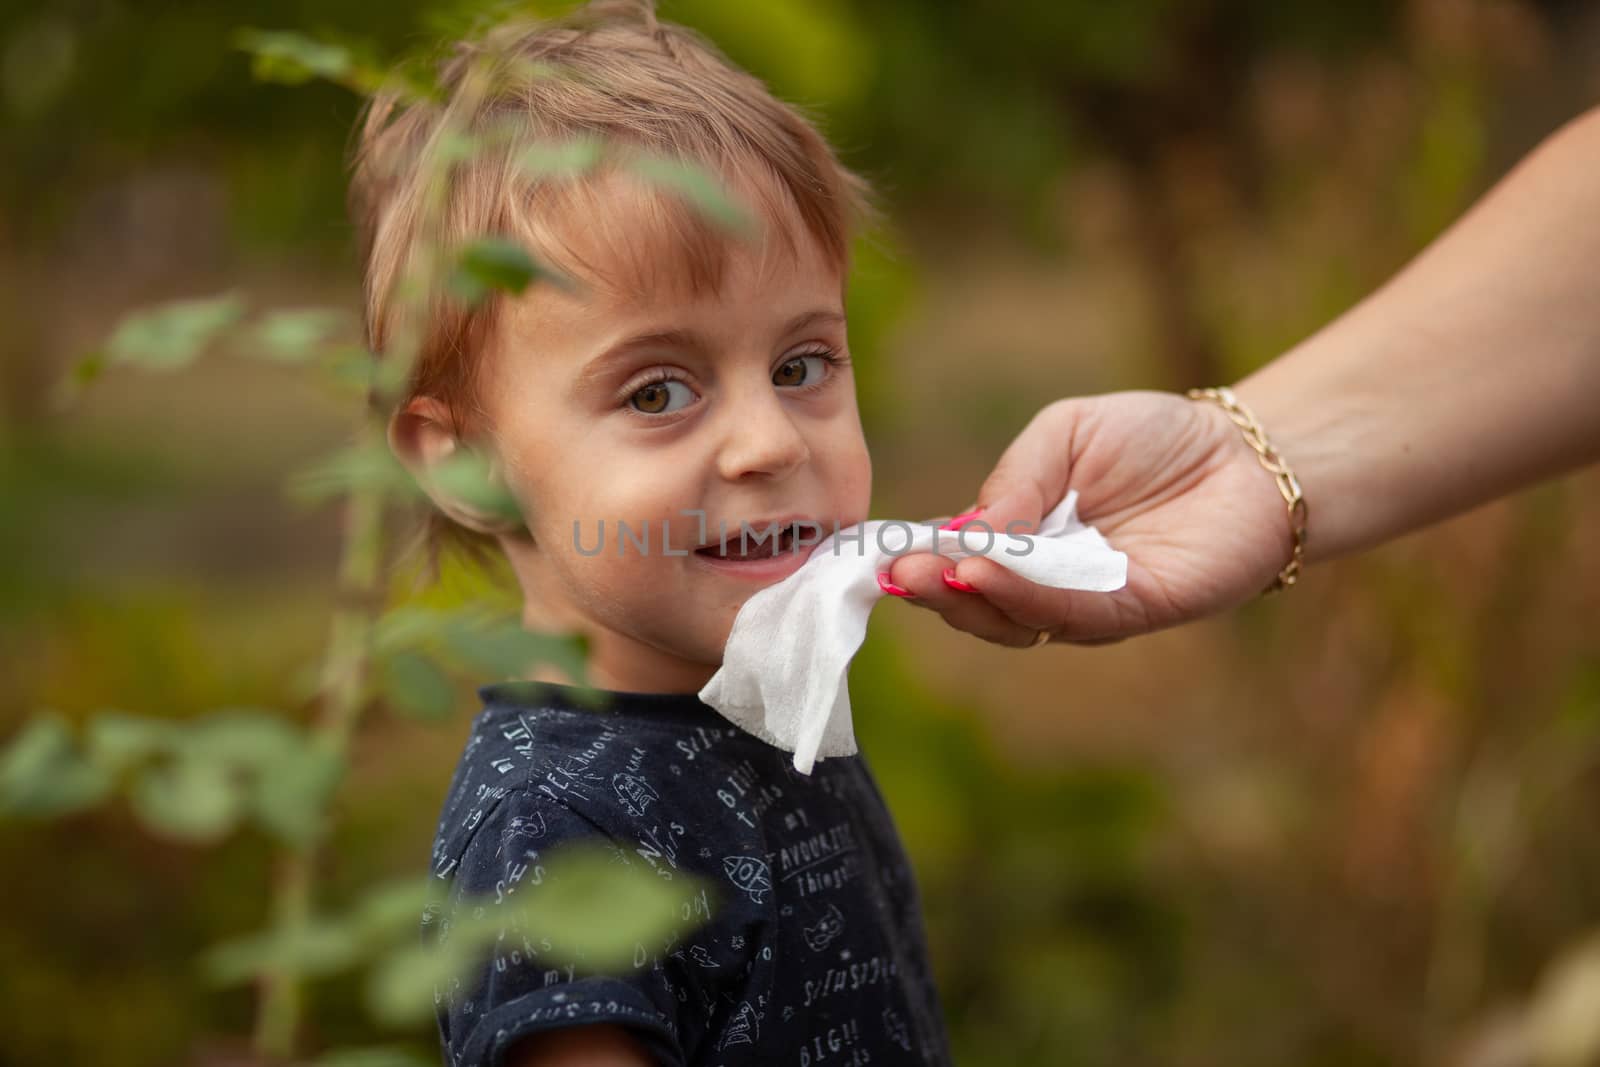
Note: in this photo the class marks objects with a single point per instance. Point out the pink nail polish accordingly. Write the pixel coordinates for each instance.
(953, 582)
(957, 522)
(889, 587)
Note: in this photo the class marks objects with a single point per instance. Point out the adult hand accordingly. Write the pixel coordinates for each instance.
(1403, 411)
(1167, 480)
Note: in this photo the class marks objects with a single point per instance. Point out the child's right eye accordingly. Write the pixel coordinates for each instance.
(656, 398)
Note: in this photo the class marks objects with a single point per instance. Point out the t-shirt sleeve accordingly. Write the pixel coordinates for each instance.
(665, 998)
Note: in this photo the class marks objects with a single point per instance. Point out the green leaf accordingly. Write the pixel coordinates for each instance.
(592, 907)
(481, 641)
(466, 475)
(395, 909)
(389, 377)
(401, 985)
(323, 946)
(293, 58)
(318, 948)
(187, 799)
(416, 686)
(595, 909)
(506, 650)
(570, 653)
(694, 183)
(412, 626)
(42, 774)
(174, 334)
(117, 740)
(400, 988)
(245, 738)
(561, 159)
(456, 147)
(491, 263)
(231, 762)
(358, 468)
(355, 368)
(291, 797)
(42, 745)
(508, 656)
(519, 71)
(297, 336)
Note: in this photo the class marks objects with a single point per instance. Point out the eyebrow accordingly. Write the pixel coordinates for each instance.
(597, 367)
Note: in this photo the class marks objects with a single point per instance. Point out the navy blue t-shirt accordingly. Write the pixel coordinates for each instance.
(813, 952)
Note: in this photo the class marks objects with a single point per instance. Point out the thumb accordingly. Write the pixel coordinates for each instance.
(1031, 476)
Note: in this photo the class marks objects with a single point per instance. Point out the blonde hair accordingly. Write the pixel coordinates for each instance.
(609, 73)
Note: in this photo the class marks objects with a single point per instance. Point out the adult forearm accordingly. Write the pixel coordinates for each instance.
(1475, 371)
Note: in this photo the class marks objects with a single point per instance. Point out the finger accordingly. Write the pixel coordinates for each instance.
(1071, 615)
(922, 574)
(1030, 477)
(941, 520)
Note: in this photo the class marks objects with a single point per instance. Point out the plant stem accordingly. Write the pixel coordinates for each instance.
(341, 702)
(344, 669)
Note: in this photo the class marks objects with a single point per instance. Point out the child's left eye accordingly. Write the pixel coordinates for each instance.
(797, 371)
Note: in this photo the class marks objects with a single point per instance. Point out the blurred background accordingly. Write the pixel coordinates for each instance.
(1352, 825)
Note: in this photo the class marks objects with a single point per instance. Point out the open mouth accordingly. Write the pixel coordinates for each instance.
(753, 543)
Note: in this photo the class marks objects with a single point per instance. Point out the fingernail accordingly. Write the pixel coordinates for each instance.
(953, 582)
(889, 587)
(956, 523)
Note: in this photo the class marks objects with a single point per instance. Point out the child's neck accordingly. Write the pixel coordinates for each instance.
(623, 665)
(616, 662)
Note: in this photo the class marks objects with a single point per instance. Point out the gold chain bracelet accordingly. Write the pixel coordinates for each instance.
(1288, 484)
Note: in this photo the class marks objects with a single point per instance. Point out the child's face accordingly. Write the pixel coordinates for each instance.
(638, 409)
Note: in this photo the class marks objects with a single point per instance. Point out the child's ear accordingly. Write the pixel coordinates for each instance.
(422, 435)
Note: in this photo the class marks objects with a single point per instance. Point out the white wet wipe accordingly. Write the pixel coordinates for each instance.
(784, 674)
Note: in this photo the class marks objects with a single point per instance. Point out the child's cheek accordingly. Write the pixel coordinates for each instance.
(856, 498)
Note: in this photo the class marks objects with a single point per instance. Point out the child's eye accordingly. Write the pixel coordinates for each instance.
(656, 398)
(803, 369)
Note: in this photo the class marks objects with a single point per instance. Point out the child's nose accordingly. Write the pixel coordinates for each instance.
(761, 438)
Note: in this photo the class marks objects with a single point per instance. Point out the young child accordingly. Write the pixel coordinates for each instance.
(688, 370)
